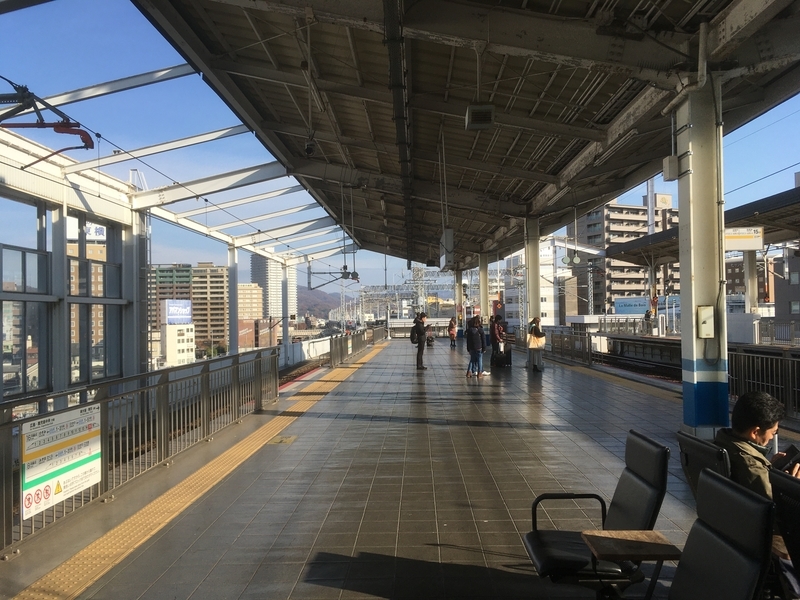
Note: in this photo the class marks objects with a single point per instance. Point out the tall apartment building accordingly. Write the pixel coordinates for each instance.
(166, 282)
(269, 275)
(251, 302)
(210, 305)
(600, 281)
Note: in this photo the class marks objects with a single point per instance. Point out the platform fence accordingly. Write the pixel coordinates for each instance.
(47, 441)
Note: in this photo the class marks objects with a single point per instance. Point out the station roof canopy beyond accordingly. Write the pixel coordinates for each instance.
(779, 215)
(369, 100)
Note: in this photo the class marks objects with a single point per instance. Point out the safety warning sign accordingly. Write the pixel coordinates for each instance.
(60, 457)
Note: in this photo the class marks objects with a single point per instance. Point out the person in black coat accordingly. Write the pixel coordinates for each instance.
(419, 326)
(476, 345)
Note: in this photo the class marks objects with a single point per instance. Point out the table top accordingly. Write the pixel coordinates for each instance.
(630, 545)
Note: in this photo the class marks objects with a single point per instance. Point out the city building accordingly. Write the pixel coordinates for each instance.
(599, 281)
(269, 275)
(251, 302)
(210, 306)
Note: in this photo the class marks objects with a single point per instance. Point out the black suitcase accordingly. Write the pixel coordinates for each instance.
(502, 359)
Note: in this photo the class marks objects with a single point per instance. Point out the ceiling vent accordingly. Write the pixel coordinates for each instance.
(479, 116)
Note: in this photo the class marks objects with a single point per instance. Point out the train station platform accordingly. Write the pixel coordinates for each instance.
(371, 480)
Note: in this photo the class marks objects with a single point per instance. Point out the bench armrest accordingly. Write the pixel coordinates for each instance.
(565, 496)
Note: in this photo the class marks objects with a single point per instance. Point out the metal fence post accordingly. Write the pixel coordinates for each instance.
(236, 392)
(163, 417)
(205, 401)
(258, 384)
(7, 482)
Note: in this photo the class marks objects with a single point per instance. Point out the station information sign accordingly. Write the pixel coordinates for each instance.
(61, 456)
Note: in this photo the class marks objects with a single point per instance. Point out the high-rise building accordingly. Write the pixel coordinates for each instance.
(251, 302)
(210, 305)
(269, 275)
(600, 281)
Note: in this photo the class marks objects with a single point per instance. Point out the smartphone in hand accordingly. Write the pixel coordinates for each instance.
(785, 462)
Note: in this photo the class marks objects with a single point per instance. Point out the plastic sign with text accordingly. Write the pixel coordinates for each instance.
(61, 457)
(744, 238)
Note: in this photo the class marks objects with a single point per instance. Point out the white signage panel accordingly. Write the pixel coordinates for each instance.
(61, 456)
(744, 238)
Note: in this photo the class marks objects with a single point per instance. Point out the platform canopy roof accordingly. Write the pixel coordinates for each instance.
(366, 103)
(779, 215)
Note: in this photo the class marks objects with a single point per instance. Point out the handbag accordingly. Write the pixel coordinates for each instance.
(536, 343)
(500, 347)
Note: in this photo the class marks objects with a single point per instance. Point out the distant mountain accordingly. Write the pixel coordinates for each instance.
(316, 302)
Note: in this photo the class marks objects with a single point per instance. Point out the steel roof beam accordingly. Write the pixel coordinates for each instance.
(208, 185)
(261, 237)
(273, 215)
(569, 42)
(122, 156)
(451, 108)
(737, 23)
(243, 201)
(118, 85)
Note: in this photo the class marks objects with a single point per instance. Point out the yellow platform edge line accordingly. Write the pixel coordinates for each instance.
(76, 574)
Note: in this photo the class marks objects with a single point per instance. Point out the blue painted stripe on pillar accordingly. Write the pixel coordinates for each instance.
(701, 366)
(705, 403)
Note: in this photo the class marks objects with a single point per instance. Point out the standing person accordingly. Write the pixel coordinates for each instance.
(495, 336)
(536, 341)
(451, 331)
(419, 326)
(476, 345)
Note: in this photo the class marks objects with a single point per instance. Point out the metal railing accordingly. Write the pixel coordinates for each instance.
(144, 421)
(572, 346)
(343, 346)
(776, 333)
(776, 375)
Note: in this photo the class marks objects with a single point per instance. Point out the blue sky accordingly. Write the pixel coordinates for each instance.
(69, 44)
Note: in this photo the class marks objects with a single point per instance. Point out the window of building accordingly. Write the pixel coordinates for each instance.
(795, 307)
(794, 277)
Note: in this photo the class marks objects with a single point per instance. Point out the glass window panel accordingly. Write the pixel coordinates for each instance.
(98, 288)
(73, 236)
(13, 320)
(113, 281)
(79, 343)
(36, 273)
(113, 339)
(12, 270)
(36, 359)
(98, 347)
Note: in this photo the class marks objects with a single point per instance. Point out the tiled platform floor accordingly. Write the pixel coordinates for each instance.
(407, 484)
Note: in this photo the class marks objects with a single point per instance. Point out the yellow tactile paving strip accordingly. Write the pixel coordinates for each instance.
(72, 577)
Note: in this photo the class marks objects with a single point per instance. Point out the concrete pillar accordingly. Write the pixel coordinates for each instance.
(750, 282)
(233, 300)
(483, 283)
(532, 269)
(287, 342)
(458, 294)
(705, 360)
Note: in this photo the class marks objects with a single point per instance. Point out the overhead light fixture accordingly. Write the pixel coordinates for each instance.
(619, 143)
(559, 194)
(479, 116)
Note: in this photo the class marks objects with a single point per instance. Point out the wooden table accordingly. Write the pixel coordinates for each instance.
(635, 546)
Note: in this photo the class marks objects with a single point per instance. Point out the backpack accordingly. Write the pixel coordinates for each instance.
(414, 335)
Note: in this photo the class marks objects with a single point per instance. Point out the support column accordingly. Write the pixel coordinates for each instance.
(458, 294)
(233, 300)
(532, 270)
(750, 282)
(704, 360)
(287, 342)
(483, 284)
(135, 315)
(60, 349)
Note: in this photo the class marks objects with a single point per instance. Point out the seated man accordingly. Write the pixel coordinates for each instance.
(754, 422)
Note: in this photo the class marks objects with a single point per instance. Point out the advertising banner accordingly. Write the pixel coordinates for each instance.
(176, 312)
